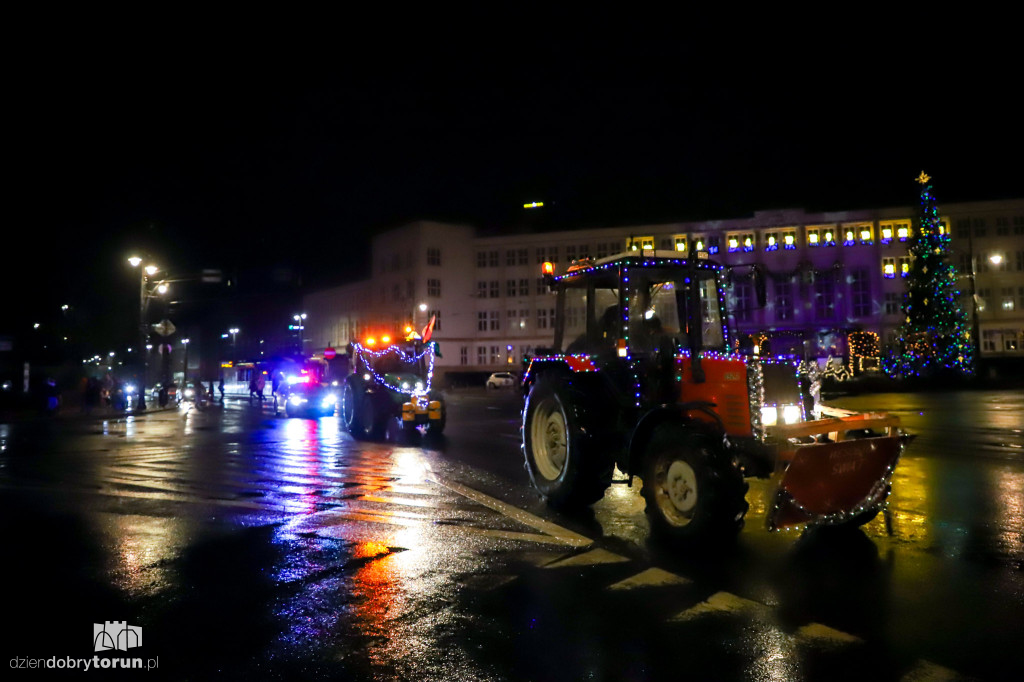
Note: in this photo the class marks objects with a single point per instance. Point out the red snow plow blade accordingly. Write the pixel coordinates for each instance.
(835, 470)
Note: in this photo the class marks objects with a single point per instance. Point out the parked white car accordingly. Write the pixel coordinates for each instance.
(502, 380)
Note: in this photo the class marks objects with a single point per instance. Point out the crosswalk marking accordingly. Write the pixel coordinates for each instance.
(722, 602)
(591, 558)
(564, 535)
(652, 577)
(926, 671)
(823, 634)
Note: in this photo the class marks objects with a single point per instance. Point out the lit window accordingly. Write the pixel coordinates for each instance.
(680, 244)
(700, 244)
(886, 234)
(904, 266)
(848, 241)
(771, 243)
(813, 238)
(789, 241)
(734, 244)
(903, 232)
(889, 268)
(748, 242)
(829, 238)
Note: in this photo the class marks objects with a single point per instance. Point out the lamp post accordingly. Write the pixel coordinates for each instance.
(148, 270)
(184, 366)
(299, 326)
(234, 333)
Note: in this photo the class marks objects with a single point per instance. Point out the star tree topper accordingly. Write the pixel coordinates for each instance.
(923, 178)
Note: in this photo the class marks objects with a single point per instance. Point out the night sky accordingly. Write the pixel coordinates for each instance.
(213, 152)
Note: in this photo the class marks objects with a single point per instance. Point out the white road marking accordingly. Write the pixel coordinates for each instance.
(652, 577)
(926, 671)
(823, 634)
(563, 535)
(723, 602)
(591, 558)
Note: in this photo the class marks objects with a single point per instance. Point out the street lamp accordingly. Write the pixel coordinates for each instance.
(297, 328)
(234, 333)
(184, 367)
(144, 272)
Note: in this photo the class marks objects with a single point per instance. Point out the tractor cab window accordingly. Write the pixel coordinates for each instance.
(659, 311)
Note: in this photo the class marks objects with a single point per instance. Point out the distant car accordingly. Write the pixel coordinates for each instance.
(311, 401)
(502, 380)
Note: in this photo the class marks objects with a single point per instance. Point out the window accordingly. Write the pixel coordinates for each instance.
(859, 233)
(542, 288)
(1018, 224)
(495, 355)
(963, 228)
(904, 266)
(742, 297)
(481, 259)
(741, 242)
(821, 235)
(481, 355)
(524, 315)
(523, 256)
(510, 258)
(463, 355)
(789, 240)
(510, 288)
(637, 243)
(602, 250)
(570, 253)
(553, 254)
(892, 303)
(1002, 226)
(979, 227)
(666, 244)
(1020, 261)
(436, 315)
(889, 268)
(860, 293)
(824, 298)
(679, 242)
(813, 237)
(434, 288)
(493, 321)
(492, 258)
(714, 244)
(771, 241)
(524, 287)
(481, 321)
(784, 301)
(481, 289)
(433, 256)
(495, 288)
(542, 255)
(584, 250)
(543, 316)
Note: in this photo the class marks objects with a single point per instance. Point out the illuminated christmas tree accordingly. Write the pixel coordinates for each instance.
(935, 337)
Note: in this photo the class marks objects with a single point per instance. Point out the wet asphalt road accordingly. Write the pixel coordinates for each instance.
(249, 545)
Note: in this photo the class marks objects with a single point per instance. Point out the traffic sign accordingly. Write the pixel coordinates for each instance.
(329, 353)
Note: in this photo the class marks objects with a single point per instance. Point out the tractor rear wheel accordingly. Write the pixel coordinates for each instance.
(692, 492)
(563, 461)
(351, 408)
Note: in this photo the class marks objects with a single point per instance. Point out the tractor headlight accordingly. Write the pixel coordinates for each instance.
(769, 416)
(329, 400)
(791, 414)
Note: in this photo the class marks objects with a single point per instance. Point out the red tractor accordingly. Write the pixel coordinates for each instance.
(643, 376)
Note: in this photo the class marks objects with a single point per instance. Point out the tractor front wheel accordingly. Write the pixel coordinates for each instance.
(693, 494)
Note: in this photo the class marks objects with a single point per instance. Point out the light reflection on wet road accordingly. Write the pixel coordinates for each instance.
(330, 558)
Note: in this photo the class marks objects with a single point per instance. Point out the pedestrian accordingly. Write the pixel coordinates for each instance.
(252, 388)
(261, 383)
(220, 386)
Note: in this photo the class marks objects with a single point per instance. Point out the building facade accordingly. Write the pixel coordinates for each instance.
(828, 274)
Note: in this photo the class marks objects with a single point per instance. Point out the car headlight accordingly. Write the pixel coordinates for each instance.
(329, 400)
(296, 400)
(129, 389)
(189, 393)
(791, 414)
(769, 416)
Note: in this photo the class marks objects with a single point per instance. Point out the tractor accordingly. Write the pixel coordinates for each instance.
(644, 377)
(389, 392)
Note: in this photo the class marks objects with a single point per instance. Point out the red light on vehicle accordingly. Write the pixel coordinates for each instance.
(371, 341)
(548, 268)
(385, 339)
